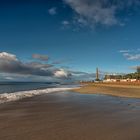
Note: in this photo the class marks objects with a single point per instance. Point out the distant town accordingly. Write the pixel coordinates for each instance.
(130, 77)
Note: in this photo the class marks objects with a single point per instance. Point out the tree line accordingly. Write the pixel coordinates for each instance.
(135, 75)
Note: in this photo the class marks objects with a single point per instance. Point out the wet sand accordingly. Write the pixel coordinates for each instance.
(129, 90)
(70, 116)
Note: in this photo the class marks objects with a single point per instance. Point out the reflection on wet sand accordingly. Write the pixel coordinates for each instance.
(70, 116)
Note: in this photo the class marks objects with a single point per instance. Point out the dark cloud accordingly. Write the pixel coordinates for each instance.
(78, 75)
(136, 68)
(84, 76)
(62, 61)
(12, 68)
(10, 64)
(40, 57)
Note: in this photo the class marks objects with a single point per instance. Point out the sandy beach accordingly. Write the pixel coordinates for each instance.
(70, 116)
(129, 90)
(69, 69)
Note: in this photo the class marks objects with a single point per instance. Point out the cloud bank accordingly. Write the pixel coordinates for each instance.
(11, 68)
(9, 63)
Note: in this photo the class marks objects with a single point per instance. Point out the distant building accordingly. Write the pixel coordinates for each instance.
(110, 80)
(119, 78)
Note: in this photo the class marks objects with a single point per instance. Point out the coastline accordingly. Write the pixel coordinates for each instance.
(15, 96)
(70, 116)
(129, 90)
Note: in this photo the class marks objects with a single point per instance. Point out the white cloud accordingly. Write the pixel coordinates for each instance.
(129, 50)
(7, 56)
(132, 54)
(124, 51)
(52, 11)
(129, 56)
(61, 73)
(104, 12)
(65, 22)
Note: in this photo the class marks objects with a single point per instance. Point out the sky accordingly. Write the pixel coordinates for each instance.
(65, 40)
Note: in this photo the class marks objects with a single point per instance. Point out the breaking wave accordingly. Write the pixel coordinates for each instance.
(7, 97)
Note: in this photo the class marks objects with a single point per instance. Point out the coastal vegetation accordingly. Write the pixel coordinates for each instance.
(135, 75)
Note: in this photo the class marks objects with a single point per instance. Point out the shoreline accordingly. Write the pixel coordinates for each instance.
(112, 89)
(70, 116)
(15, 96)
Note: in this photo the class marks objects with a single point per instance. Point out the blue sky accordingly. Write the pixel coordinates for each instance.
(76, 36)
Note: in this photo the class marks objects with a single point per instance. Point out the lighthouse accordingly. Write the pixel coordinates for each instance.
(97, 74)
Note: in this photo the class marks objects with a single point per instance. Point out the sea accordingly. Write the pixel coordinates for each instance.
(12, 91)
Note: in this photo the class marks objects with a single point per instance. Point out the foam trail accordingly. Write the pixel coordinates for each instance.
(7, 97)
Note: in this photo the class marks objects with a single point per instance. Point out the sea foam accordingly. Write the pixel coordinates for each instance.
(7, 97)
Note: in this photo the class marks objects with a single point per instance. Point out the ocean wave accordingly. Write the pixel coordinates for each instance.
(7, 97)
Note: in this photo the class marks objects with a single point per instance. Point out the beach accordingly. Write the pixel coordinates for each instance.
(70, 70)
(70, 115)
(129, 90)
